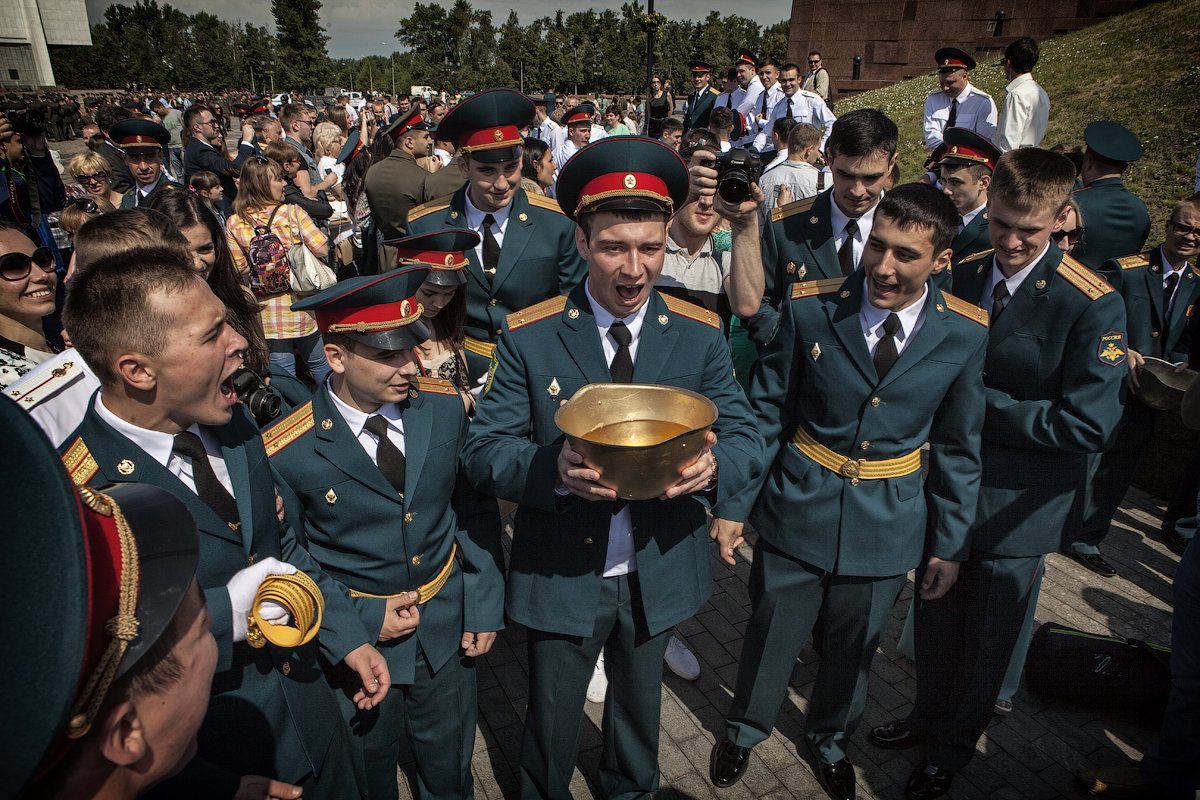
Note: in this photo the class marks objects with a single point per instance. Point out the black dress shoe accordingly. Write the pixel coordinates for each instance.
(728, 763)
(1093, 561)
(895, 735)
(1174, 542)
(928, 782)
(836, 779)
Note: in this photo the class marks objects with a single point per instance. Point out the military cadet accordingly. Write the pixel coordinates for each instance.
(528, 249)
(396, 184)
(798, 105)
(747, 96)
(544, 127)
(1056, 355)
(1160, 289)
(966, 172)
(699, 102)
(872, 365)
(1116, 219)
(823, 236)
(956, 103)
(587, 573)
(166, 414)
(143, 142)
(369, 473)
(578, 123)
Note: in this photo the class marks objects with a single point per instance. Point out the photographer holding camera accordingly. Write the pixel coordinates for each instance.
(30, 186)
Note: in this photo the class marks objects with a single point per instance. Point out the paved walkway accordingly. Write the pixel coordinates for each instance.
(1032, 753)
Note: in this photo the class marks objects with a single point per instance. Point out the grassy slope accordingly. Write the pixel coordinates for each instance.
(1141, 69)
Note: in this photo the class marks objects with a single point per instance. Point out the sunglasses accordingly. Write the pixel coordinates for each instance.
(1185, 230)
(814, 61)
(1071, 236)
(261, 160)
(95, 177)
(86, 204)
(15, 266)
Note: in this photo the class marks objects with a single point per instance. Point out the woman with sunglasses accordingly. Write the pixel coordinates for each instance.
(1067, 237)
(30, 186)
(27, 284)
(660, 105)
(95, 175)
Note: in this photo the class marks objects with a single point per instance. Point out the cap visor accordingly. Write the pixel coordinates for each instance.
(404, 338)
(495, 156)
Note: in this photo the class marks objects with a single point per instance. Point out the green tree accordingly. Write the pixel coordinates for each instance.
(302, 61)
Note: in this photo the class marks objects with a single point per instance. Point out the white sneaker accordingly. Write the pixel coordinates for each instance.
(680, 660)
(598, 685)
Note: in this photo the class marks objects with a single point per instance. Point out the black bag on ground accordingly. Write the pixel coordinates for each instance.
(1105, 672)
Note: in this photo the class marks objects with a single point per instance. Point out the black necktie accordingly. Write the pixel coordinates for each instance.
(1168, 290)
(885, 350)
(621, 368)
(953, 113)
(387, 455)
(729, 100)
(491, 248)
(846, 251)
(208, 488)
(764, 105)
(789, 108)
(999, 295)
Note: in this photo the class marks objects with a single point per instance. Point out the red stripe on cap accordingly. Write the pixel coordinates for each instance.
(615, 184)
(490, 138)
(952, 62)
(400, 129)
(576, 116)
(969, 153)
(362, 319)
(138, 140)
(441, 258)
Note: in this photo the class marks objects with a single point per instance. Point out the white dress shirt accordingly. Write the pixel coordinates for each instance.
(970, 215)
(1023, 118)
(1169, 270)
(976, 112)
(357, 420)
(838, 220)
(475, 223)
(1014, 283)
(806, 107)
(871, 318)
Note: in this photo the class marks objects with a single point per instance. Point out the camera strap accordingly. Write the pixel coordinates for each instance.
(34, 218)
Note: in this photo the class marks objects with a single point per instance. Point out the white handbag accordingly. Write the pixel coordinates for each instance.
(309, 273)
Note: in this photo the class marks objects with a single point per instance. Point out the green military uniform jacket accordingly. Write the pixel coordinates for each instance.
(817, 375)
(971, 240)
(549, 352)
(133, 199)
(1139, 279)
(292, 713)
(370, 539)
(696, 114)
(538, 260)
(1054, 371)
(394, 185)
(1115, 222)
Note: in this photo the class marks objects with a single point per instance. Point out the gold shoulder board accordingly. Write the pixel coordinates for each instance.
(435, 385)
(794, 207)
(288, 429)
(538, 311)
(1083, 278)
(813, 288)
(976, 256)
(713, 90)
(428, 208)
(690, 310)
(1133, 262)
(968, 310)
(79, 462)
(541, 201)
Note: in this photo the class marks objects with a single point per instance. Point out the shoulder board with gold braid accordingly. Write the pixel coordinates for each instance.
(541, 201)
(713, 90)
(1083, 278)
(968, 310)
(435, 385)
(813, 288)
(428, 208)
(79, 462)
(795, 207)
(690, 310)
(538, 311)
(288, 429)
(976, 256)
(1133, 262)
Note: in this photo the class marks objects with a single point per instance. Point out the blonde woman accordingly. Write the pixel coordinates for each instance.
(327, 143)
(93, 172)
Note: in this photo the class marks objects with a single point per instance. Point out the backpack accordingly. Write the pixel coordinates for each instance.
(270, 271)
(832, 91)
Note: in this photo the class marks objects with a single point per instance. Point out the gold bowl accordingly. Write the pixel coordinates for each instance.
(637, 436)
(1160, 386)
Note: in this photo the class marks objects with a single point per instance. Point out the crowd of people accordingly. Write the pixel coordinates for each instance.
(332, 354)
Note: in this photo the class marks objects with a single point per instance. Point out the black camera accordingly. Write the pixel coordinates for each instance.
(28, 123)
(262, 404)
(736, 170)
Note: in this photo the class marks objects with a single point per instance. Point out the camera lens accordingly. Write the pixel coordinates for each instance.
(735, 187)
(263, 405)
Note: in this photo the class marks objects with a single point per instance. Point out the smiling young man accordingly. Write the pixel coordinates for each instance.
(1055, 362)
(166, 414)
(369, 471)
(823, 236)
(527, 250)
(796, 104)
(860, 373)
(588, 573)
(700, 101)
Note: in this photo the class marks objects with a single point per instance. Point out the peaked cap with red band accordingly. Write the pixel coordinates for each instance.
(97, 576)
(952, 58)
(412, 120)
(746, 56)
(139, 134)
(351, 148)
(377, 310)
(652, 177)
(443, 252)
(584, 112)
(964, 146)
(487, 126)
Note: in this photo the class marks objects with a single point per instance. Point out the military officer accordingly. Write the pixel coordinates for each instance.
(824, 236)
(369, 473)
(1115, 218)
(956, 103)
(587, 573)
(527, 252)
(396, 184)
(700, 101)
(1160, 289)
(966, 172)
(871, 365)
(166, 414)
(143, 143)
(1055, 362)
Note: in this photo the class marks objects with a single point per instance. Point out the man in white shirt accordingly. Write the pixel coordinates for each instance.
(798, 174)
(745, 98)
(772, 93)
(957, 104)
(544, 127)
(1026, 106)
(798, 104)
(578, 122)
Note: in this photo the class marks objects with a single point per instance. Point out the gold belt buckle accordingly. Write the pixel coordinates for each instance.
(849, 468)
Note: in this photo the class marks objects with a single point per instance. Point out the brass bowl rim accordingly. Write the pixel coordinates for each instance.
(656, 387)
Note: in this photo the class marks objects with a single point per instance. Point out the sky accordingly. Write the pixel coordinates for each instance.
(360, 27)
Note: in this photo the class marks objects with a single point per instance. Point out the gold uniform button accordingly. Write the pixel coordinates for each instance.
(492, 302)
(498, 331)
(408, 516)
(588, 540)
(416, 561)
(287, 668)
(1154, 334)
(875, 401)
(864, 445)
